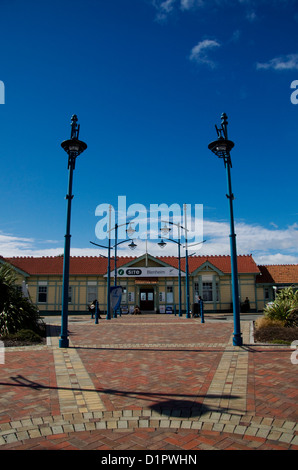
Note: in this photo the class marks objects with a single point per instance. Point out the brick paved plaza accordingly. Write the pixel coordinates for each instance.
(148, 382)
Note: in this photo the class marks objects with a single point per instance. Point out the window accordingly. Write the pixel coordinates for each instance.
(196, 291)
(124, 292)
(150, 296)
(69, 294)
(42, 294)
(91, 292)
(217, 291)
(170, 296)
(207, 292)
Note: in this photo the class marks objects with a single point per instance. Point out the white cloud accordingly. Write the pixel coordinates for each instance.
(163, 8)
(190, 4)
(166, 7)
(267, 245)
(288, 62)
(251, 16)
(235, 36)
(199, 52)
(10, 244)
(250, 7)
(278, 258)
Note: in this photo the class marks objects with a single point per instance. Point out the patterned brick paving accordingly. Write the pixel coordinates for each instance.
(158, 383)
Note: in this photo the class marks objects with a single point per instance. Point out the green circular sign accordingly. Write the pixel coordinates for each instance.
(121, 272)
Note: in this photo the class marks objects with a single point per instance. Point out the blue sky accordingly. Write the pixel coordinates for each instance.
(148, 80)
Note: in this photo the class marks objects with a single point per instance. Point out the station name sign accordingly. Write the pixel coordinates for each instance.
(148, 272)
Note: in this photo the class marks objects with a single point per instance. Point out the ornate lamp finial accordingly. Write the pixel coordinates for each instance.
(75, 128)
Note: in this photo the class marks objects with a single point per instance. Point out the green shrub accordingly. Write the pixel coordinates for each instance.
(16, 311)
(292, 318)
(280, 321)
(25, 335)
(284, 307)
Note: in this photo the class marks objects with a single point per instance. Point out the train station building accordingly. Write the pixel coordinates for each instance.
(150, 282)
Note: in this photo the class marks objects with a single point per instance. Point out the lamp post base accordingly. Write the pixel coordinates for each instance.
(63, 343)
(237, 339)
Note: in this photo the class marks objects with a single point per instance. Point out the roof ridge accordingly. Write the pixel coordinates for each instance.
(288, 264)
(135, 257)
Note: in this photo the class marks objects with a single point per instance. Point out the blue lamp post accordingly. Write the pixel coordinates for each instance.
(73, 147)
(221, 148)
(130, 231)
(132, 246)
(162, 244)
(186, 266)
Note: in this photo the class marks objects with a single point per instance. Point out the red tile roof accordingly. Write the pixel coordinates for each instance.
(93, 265)
(278, 274)
(245, 263)
(84, 265)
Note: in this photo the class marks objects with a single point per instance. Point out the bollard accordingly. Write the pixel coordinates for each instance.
(96, 313)
(202, 311)
(201, 307)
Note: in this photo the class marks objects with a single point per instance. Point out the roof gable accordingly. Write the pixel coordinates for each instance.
(146, 259)
(207, 266)
(18, 270)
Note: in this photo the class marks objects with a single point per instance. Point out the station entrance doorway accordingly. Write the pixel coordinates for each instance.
(146, 299)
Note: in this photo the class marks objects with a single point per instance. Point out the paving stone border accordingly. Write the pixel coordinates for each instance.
(279, 430)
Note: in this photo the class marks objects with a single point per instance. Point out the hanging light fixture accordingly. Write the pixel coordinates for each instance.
(165, 230)
(132, 245)
(130, 230)
(162, 244)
